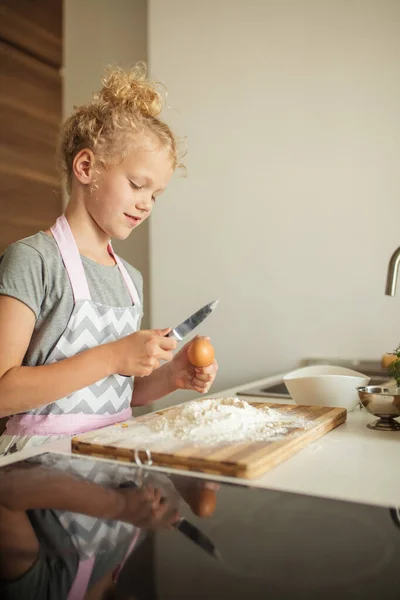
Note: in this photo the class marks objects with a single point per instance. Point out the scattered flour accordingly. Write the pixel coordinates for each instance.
(212, 422)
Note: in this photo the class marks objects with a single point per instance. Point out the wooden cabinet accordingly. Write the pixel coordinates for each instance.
(34, 26)
(30, 115)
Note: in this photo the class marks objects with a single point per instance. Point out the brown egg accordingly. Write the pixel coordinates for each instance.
(200, 353)
(202, 502)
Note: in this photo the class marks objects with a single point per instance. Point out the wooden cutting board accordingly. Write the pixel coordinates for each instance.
(247, 460)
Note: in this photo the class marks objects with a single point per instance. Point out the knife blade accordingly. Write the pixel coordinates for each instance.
(192, 322)
(198, 537)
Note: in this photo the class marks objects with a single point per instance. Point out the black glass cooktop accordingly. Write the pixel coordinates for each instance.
(255, 544)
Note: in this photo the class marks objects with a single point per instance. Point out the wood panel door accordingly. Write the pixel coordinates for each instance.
(30, 115)
(34, 26)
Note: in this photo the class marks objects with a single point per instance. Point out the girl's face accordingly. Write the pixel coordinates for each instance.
(123, 195)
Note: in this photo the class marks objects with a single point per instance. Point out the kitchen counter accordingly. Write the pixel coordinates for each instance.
(254, 543)
(350, 463)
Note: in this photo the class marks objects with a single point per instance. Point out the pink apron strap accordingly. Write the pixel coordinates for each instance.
(126, 277)
(71, 258)
(69, 424)
(131, 546)
(85, 568)
(82, 578)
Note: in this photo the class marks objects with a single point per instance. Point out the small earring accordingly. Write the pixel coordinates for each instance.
(94, 186)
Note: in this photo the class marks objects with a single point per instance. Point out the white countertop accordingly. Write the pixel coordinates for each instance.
(350, 463)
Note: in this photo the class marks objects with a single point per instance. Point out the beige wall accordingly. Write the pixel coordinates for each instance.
(98, 33)
(291, 209)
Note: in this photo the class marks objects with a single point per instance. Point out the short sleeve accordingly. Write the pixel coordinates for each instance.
(22, 275)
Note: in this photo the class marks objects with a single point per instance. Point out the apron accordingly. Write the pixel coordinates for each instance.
(103, 403)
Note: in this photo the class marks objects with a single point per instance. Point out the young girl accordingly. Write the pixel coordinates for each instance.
(70, 309)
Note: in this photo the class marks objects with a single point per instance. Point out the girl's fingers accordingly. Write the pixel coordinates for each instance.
(201, 387)
(167, 343)
(159, 355)
(210, 370)
(165, 355)
(163, 332)
(164, 515)
(204, 378)
(153, 363)
(157, 498)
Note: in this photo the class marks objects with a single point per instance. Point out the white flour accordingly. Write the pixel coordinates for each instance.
(210, 422)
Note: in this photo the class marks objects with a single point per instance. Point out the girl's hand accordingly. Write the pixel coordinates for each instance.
(139, 353)
(187, 377)
(200, 495)
(146, 508)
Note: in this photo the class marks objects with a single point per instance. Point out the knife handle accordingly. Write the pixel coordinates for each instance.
(172, 334)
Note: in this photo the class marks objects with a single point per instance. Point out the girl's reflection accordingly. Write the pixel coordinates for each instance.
(68, 525)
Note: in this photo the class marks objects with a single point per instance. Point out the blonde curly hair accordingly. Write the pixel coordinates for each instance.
(128, 103)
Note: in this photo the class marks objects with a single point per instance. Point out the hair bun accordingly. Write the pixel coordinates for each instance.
(131, 90)
(128, 104)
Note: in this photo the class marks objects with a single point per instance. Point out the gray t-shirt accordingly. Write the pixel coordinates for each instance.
(32, 271)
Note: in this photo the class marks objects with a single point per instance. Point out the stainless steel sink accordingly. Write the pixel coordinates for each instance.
(278, 389)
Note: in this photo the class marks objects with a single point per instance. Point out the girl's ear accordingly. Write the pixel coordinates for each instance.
(83, 166)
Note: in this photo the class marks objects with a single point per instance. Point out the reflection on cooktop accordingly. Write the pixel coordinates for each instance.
(76, 525)
(277, 545)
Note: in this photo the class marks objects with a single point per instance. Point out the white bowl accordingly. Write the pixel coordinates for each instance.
(325, 385)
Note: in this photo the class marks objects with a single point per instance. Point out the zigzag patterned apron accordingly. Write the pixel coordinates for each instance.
(103, 403)
(89, 535)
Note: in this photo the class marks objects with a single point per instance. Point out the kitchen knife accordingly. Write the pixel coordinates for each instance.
(199, 538)
(192, 322)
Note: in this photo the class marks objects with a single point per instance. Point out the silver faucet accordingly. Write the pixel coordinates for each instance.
(393, 271)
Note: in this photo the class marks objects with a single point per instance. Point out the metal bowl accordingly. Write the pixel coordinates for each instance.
(383, 402)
